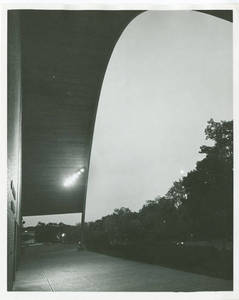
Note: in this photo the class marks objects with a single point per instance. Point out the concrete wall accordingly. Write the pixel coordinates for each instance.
(14, 145)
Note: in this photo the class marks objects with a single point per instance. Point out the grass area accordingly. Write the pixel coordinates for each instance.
(202, 260)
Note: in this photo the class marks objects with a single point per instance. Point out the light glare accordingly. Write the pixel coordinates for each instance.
(72, 179)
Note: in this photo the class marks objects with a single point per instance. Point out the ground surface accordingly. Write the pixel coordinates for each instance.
(63, 268)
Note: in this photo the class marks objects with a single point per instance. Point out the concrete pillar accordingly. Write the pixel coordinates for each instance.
(14, 145)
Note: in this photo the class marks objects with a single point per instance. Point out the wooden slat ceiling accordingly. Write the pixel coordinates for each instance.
(64, 58)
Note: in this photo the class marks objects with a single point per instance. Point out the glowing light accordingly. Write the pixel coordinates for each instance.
(182, 172)
(73, 178)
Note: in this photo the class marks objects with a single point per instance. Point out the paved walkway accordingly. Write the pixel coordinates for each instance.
(63, 268)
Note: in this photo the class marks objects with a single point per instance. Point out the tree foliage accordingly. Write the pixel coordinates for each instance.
(199, 205)
(209, 187)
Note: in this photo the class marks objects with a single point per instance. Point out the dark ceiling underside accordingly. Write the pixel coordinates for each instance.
(64, 59)
(223, 14)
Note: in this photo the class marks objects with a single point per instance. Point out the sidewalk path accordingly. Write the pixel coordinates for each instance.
(63, 268)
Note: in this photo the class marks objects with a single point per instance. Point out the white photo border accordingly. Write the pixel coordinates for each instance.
(116, 5)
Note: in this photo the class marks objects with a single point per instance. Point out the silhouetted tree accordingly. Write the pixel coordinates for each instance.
(198, 205)
(209, 187)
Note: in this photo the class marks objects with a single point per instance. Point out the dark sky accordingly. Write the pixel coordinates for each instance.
(170, 72)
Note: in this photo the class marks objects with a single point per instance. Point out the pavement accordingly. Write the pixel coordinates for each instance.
(58, 267)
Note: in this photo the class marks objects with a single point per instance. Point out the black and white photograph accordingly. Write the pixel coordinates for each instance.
(120, 153)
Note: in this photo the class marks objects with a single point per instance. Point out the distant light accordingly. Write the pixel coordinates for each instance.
(182, 172)
(82, 170)
(63, 234)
